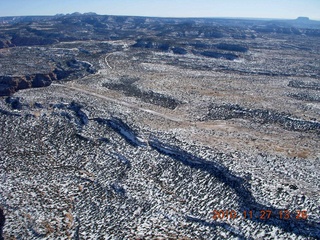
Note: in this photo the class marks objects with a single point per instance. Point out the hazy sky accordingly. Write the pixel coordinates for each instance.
(167, 8)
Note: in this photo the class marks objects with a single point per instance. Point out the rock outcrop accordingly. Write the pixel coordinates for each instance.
(19, 40)
(11, 84)
(75, 68)
(122, 129)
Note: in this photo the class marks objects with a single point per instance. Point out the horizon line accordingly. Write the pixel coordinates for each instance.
(146, 16)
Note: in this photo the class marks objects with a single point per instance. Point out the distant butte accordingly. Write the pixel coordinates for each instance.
(303, 19)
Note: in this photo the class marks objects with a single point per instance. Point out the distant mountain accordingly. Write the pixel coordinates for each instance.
(44, 30)
(18, 19)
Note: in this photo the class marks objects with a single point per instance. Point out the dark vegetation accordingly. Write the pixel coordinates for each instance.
(164, 46)
(14, 103)
(228, 56)
(305, 96)
(229, 111)
(232, 47)
(2, 221)
(129, 89)
(152, 44)
(179, 50)
(306, 85)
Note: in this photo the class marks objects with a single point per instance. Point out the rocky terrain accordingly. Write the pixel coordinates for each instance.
(149, 128)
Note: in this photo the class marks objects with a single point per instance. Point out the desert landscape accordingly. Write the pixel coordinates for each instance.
(159, 128)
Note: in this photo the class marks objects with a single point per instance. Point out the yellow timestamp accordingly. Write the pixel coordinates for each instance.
(261, 214)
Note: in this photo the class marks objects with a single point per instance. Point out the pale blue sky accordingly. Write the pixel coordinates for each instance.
(288, 9)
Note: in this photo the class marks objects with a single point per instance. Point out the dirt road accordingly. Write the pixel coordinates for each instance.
(92, 92)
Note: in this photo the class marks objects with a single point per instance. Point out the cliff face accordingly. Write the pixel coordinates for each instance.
(12, 83)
